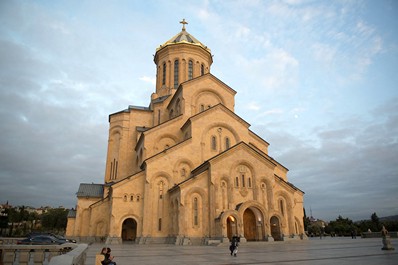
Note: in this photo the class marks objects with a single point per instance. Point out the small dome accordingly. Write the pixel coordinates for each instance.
(183, 37)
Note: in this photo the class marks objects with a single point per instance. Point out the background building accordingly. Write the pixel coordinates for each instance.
(186, 168)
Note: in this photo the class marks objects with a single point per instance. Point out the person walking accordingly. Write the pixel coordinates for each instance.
(234, 245)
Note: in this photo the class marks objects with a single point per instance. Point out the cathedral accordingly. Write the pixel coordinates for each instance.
(187, 169)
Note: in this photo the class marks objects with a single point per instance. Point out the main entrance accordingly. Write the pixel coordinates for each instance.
(250, 225)
(129, 230)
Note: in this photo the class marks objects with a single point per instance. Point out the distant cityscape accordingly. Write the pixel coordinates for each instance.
(17, 221)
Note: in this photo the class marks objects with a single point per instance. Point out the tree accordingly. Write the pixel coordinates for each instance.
(342, 226)
(307, 221)
(55, 220)
(375, 222)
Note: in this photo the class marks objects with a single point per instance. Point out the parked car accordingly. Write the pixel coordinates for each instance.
(41, 240)
(34, 234)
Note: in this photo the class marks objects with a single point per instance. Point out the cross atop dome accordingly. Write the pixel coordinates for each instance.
(183, 22)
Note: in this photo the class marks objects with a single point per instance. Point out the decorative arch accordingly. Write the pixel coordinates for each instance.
(206, 96)
(183, 164)
(158, 176)
(212, 129)
(298, 227)
(100, 228)
(164, 140)
(230, 223)
(254, 220)
(129, 227)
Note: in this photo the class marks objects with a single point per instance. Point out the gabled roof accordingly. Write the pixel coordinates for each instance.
(206, 164)
(90, 190)
(209, 110)
(288, 183)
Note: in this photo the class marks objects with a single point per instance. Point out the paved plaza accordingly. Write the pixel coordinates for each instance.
(323, 251)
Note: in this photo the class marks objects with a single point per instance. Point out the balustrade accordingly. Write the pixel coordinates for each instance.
(31, 254)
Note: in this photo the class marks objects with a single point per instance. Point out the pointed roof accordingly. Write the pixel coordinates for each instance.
(183, 37)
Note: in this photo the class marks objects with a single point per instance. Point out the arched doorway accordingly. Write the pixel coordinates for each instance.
(231, 227)
(129, 230)
(249, 225)
(275, 228)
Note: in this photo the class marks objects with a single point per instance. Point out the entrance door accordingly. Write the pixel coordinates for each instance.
(275, 229)
(231, 227)
(249, 225)
(129, 230)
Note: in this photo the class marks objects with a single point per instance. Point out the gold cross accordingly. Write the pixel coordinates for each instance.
(183, 22)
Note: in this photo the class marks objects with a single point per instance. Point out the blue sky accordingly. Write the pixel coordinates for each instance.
(316, 79)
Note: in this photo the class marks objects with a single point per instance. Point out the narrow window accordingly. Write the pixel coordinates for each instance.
(160, 224)
(110, 173)
(249, 182)
(115, 176)
(195, 211)
(176, 74)
(131, 198)
(237, 182)
(227, 144)
(138, 198)
(202, 69)
(164, 74)
(159, 116)
(243, 180)
(213, 143)
(125, 198)
(202, 107)
(161, 190)
(281, 206)
(190, 70)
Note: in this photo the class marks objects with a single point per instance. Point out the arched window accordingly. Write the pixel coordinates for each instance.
(243, 180)
(161, 190)
(195, 211)
(213, 142)
(190, 70)
(176, 74)
(202, 69)
(227, 143)
(160, 205)
(202, 107)
(281, 207)
(164, 74)
(237, 181)
(125, 198)
(249, 182)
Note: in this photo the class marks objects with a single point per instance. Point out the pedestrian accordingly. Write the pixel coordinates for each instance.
(108, 258)
(234, 245)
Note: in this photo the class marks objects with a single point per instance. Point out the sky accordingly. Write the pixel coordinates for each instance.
(315, 79)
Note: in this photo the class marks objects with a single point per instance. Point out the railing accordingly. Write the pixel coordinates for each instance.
(392, 234)
(41, 254)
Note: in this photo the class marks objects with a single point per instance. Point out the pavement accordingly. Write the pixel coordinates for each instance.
(325, 251)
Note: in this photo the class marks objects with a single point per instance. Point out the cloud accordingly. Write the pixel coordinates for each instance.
(147, 79)
(354, 161)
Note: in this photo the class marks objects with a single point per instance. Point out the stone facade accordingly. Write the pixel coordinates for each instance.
(187, 169)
